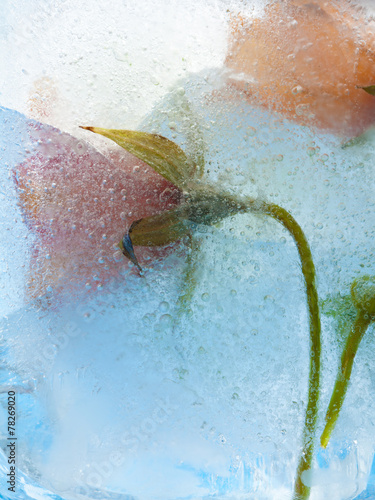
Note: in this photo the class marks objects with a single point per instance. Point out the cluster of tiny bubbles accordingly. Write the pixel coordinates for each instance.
(161, 320)
(180, 373)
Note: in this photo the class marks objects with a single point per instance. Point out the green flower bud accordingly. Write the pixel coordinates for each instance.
(363, 294)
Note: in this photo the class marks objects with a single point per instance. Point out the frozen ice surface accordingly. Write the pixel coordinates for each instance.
(118, 397)
(13, 239)
(117, 388)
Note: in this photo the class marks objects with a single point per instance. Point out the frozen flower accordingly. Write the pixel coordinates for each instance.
(308, 61)
(202, 204)
(78, 204)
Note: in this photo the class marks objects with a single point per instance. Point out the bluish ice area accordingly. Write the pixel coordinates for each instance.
(13, 239)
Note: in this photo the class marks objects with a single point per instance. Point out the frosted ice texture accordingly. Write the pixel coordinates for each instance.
(116, 393)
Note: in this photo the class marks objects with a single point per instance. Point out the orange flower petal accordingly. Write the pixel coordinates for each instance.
(306, 60)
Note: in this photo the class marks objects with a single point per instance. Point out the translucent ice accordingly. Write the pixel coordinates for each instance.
(119, 395)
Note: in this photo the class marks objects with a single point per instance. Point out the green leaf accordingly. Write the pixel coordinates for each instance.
(203, 206)
(206, 206)
(160, 229)
(360, 140)
(163, 155)
(156, 230)
(363, 294)
(370, 89)
(190, 276)
(342, 310)
(178, 114)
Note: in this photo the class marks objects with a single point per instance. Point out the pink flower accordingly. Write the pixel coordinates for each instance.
(78, 204)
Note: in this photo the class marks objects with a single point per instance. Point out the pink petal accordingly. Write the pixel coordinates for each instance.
(79, 204)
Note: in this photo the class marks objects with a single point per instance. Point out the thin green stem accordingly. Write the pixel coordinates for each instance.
(189, 277)
(355, 336)
(301, 491)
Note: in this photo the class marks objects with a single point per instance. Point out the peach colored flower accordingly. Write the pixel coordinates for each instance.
(307, 61)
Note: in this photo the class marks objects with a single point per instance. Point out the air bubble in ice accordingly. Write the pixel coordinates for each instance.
(165, 321)
(222, 439)
(251, 131)
(148, 319)
(117, 256)
(164, 306)
(297, 90)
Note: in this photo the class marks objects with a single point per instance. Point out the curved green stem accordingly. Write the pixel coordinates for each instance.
(208, 208)
(301, 491)
(357, 331)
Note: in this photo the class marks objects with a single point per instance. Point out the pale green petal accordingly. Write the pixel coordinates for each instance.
(370, 89)
(163, 155)
(202, 207)
(206, 206)
(160, 229)
(363, 294)
(181, 117)
(190, 276)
